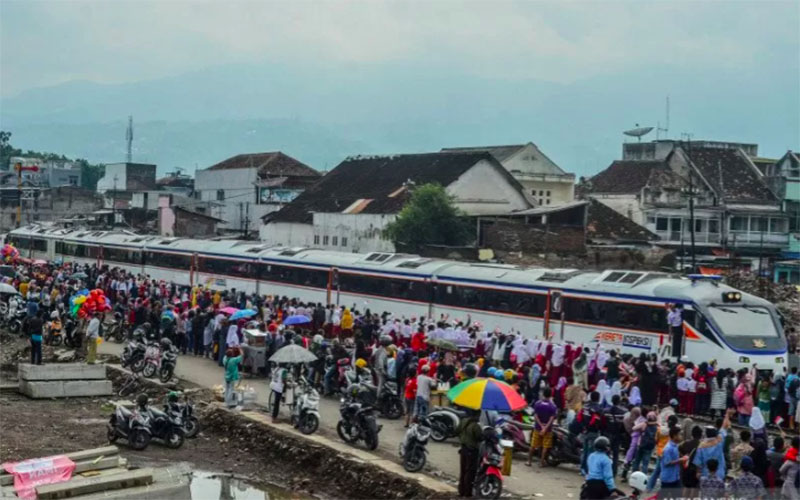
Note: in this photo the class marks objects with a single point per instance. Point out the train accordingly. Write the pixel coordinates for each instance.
(621, 309)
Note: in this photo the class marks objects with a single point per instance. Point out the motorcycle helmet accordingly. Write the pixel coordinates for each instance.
(638, 481)
(318, 339)
(137, 335)
(166, 343)
(602, 444)
(54, 314)
(509, 375)
(172, 397)
(141, 399)
(361, 363)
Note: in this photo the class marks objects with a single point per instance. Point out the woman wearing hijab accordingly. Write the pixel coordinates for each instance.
(602, 390)
(758, 425)
(634, 423)
(718, 393)
(635, 397)
(561, 386)
(743, 397)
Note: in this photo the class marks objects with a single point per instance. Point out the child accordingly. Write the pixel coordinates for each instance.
(712, 486)
(638, 424)
(410, 393)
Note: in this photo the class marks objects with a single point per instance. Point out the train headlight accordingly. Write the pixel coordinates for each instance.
(729, 297)
(744, 359)
(780, 360)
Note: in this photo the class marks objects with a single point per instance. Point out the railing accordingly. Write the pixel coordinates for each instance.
(750, 238)
(699, 237)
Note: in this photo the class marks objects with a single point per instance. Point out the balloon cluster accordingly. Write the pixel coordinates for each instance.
(9, 253)
(85, 303)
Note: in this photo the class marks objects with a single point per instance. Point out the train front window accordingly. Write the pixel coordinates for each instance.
(743, 321)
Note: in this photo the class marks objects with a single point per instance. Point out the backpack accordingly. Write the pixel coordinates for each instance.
(649, 437)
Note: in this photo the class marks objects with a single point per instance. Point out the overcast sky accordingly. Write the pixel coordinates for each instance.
(45, 43)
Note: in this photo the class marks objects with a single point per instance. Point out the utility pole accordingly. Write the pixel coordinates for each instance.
(246, 219)
(19, 168)
(114, 203)
(691, 194)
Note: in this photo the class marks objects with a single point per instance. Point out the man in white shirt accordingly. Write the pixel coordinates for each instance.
(92, 334)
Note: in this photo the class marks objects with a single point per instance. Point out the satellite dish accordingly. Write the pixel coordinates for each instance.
(638, 132)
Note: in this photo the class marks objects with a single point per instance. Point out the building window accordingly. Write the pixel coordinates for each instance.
(698, 225)
(675, 225)
(335, 241)
(662, 223)
(73, 180)
(541, 193)
(713, 226)
(739, 223)
(540, 201)
(533, 192)
(344, 241)
(220, 195)
(548, 193)
(548, 201)
(777, 226)
(324, 240)
(316, 239)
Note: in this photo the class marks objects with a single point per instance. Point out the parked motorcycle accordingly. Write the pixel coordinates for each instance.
(166, 427)
(152, 359)
(357, 421)
(489, 480)
(185, 410)
(15, 317)
(68, 328)
(413, 449)
(54, 334)
(567, 447)
(169, 359)
(515, 432)
(116, 329)
(388, 402)
(129, 425)
(444, 422)
(305, 413)
(133, 354)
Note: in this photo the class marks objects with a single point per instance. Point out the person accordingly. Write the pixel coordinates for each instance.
(689, 475)
(671, 462)
(280, 376)
(592, 419)
(712, 448)
(616, 428)
(410, 393)
(469, 436)
(634, 424)
(791, 388)
(647, 444)
(662, 439)
(775, 458)
(790, 472)
(747, 485)
(600, 476)
(92, 334)
(743, 397)
(35, 326)
(425, 385)
(545, 412)
(233, 357)
(711, 486)
(741, 450)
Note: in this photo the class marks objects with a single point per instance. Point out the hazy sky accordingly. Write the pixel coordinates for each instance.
(44, 43)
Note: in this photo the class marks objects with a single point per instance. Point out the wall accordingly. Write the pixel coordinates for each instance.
(106, 183)
(482, 190)
(288, 234)
(190, 226)
(237, 183)
(516, 236)
(364, 232)
(52, 205)
(560, 191)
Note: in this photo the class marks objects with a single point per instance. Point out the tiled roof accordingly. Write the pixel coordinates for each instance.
(380, 179)
(606, 224)
(501, 153)
(268, 164)
(730, 174)
(627, 176)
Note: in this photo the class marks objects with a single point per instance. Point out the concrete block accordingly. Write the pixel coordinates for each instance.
(65, 389)
(156, 491)
(83, 486)
(61, 371)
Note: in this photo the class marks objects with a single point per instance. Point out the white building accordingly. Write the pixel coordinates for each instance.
(350, 207)
(545, 182)
(127, 177)
(246, 187)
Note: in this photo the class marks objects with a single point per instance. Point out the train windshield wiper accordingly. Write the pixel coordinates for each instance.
(756, 310)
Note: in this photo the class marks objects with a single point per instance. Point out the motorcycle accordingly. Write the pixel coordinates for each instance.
(567, 447)
(413, 449)
(116, 329)
(15, 317)
(70, 339)
(388, 403)
(335, 375)
(357, 420)
(444, 422)
(54, 332)
(489, 480)
(129, 425)
(185, 410)
(305, 412)
(168, 361)
(166, 427)
(152, 359)
(133, 355)
(515, 432)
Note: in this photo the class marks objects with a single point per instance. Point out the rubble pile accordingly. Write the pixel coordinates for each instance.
(312, 466)
(785, 297)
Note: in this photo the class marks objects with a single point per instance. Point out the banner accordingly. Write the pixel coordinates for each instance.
(29, 474)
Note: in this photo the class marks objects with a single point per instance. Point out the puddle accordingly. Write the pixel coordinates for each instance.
(214, 486)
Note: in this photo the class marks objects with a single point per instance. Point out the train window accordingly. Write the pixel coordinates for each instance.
(594, 312)
(630, 278)
(613, 277)
(169, 260)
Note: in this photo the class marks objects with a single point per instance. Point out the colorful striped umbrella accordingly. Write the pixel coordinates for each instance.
(486, 394)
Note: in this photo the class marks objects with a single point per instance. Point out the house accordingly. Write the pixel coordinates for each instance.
(545, 182)
(350, 207)
(127, 177)
(176, 182)
(659, 149)
(783, 178)
(49, 173)
(733, 207)
(49, 205)
(179, 221)
(250, 186)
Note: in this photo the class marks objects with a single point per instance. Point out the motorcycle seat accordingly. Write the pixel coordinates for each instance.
(157, 413)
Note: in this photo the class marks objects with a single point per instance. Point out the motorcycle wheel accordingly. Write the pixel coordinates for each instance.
(174, 439)
(308, 423)
(112, 435)
(488, 487)
(414, 461)
(149, 370)
(138, 439)
(552, 460)
(439, 431)
(56, 340)
(119, 336)
(137, 365)
(346, 437)
(13, 327)
(191, 427)
(165, 374)
(393, 409)
(371, 440)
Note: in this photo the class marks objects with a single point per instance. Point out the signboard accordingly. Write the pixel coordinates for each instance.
(625, 340)
(29, 474)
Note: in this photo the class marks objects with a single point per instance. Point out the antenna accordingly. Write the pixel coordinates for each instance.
(129, 139)
(666, 126)
(638, 132)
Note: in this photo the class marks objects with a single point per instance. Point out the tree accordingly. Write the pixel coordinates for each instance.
(430, 218)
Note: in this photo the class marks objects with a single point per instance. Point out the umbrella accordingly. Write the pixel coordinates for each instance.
(486, 394)
(6, 288)
(40, 262)
(294, 354)
(79, 276)
(242, 313)
(228, 310)
(297, 319)
(443, 344)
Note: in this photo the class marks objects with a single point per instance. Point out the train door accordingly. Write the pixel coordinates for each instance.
(193, 261)
(554, 315)
(333, 285)
(100, 256)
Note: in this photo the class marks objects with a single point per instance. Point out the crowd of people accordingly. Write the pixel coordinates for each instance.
(625, 408)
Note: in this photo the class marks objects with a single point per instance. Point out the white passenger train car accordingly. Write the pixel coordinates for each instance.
(623, 309)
